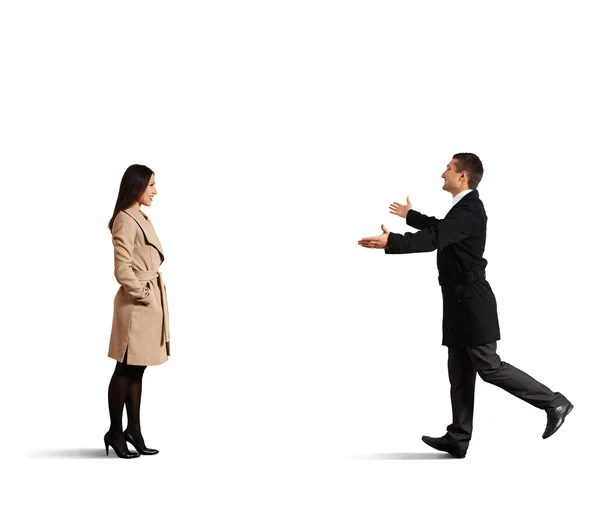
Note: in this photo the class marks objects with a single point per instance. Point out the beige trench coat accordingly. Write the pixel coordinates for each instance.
(141, 316)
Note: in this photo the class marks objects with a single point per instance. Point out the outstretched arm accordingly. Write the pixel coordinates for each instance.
(420, 221)
(442, 233)
(413, 218)
(378, 242)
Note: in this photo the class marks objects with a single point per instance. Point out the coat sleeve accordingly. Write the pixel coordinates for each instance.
(419, 221)
(444, 232)
(123, 237)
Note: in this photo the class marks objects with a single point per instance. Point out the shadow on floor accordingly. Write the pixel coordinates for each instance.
(401, 456)
(74, 453)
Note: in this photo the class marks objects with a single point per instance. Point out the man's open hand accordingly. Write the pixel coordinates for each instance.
(400, 209)
(378, 242)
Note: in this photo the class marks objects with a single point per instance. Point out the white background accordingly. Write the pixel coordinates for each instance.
(304, 369)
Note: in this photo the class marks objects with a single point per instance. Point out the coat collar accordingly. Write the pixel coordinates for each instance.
(465, 199)
(460, 195)
(144, 222)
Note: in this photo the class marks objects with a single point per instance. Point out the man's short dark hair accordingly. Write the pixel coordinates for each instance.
(472, 164)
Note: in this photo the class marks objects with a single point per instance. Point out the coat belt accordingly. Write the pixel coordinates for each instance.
(145, 276)
(468, 276)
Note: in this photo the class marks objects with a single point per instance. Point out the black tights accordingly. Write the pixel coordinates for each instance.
(125, 388)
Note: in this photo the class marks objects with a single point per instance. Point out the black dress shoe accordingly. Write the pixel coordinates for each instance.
(556, 417)
(444, 444)
(139, 445)
(122, 452)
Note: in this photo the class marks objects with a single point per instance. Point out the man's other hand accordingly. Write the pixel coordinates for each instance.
(399, 209)
(378, 242)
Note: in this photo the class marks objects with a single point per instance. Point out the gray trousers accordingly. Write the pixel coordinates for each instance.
(464, 363)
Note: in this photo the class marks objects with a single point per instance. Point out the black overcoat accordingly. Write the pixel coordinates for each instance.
(470, 316)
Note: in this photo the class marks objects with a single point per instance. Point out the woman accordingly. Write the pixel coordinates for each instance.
(140, 328)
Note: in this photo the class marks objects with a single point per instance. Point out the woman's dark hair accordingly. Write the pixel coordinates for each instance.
(134, 182)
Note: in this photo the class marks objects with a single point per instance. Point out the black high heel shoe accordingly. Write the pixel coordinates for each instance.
(126, 454)
(139, 446)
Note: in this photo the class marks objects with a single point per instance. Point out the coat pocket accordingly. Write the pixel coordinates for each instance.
(147, 297)
(457, 293)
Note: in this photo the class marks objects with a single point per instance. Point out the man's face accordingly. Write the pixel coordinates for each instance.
(454, 180)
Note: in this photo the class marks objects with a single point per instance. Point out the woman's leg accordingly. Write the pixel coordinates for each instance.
(133, 434)
(133, 401)
(117, 393)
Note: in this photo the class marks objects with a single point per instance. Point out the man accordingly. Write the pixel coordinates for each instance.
(470, 320)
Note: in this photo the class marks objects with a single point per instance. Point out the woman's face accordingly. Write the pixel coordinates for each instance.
(150, 191)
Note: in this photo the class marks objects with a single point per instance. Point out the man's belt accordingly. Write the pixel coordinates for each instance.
(469, 276)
